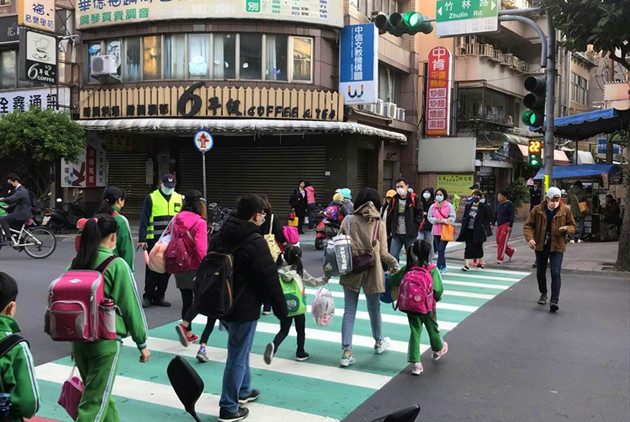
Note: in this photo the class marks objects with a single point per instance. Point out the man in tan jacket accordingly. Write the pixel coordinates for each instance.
(546, 230)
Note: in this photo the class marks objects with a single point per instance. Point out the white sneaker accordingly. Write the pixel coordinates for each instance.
(381, 346)
(580, 241)
(347, 360)
(571, 241)
(499, 262)
(417, 369)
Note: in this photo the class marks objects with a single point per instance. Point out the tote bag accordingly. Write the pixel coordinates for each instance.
(274, 248)
(448, 233)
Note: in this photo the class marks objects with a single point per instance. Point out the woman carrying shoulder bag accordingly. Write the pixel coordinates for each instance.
(474, 223)
(369, 249)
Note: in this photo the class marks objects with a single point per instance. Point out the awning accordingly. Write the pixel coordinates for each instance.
(559, 157)
(585, 125)
(577, 172)
(239, 126)
(497, 139)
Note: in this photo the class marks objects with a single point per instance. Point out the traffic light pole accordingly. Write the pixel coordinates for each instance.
(551, 101)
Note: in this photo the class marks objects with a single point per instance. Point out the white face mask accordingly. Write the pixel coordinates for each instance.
(439, 198)
(483, 201)
(401, 191)
(426, 195)
(167, 191)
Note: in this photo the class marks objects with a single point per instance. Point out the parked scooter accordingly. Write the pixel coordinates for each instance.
(216, 217)
(65, 215)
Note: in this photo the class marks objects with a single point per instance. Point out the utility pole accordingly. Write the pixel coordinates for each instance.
(551, 101)
(611, 78)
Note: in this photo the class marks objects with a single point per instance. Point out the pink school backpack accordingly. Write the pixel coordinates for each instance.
(415, 293)
(77, 309)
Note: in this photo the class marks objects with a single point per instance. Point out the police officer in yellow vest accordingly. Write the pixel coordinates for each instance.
(159, 207)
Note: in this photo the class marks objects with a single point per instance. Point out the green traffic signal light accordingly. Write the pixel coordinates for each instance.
(535, 101)
(397, 24)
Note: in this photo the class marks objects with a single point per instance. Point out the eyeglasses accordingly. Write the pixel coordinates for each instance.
(555, 199)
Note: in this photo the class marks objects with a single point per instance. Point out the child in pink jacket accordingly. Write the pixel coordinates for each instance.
(310, 204)
(192, 219)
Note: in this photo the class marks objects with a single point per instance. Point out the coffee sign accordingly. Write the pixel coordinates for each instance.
(40, 57)
(199, 100)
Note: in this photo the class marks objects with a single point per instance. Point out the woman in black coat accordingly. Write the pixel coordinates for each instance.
(299, 203)
(474, 223)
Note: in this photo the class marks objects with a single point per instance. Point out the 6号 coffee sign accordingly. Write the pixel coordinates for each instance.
(40, 57)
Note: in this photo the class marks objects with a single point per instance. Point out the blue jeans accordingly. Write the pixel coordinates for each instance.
(398, 242)
(541, 272)
(309, 214)
(581, 227)
(428, 236)
(236, 377)
(440, 247)
(351, 301)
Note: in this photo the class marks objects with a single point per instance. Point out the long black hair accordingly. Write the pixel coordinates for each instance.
(111, 195)
(95, 230)
(418, 254)
(426, 203)
(195, 202)
(293, 256)
(368, 195)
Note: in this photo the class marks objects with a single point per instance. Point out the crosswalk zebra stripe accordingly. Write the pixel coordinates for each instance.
(163, 395)
(305, 369)
(473, 284)
(466, 294)
(440, 305)
(476, 276)
(323, 335)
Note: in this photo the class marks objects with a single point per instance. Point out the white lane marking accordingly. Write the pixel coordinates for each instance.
(466, 294)
(477, 276)
(286, 366)
(162, 395)
(472, 284)
(440, 305)
(323, 335)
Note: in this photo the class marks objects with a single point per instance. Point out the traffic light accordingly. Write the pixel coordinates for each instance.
(534, 158)
(398, 24)
(535, 101)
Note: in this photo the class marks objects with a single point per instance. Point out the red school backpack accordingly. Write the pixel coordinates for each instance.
(77, 309)
(333, 213)
(415, 293)
(179, 253)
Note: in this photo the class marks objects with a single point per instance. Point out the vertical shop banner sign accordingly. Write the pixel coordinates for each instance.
(89, 169)
(358, 59)
(438, 114)
(37, 14)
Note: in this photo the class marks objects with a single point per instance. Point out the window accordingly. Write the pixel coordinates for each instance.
(486, 105)
(152, 63)
(369, 6)
(8, 69)
(132, 59)
(198, 56)
(276, 65)
(224, 60)
(113, 48)
(388, 84)
(579, 89)
(302, 59)
(174, 56)
(94, 49)
(250, 56)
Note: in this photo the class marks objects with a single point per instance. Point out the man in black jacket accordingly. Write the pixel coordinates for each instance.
(21, 204)
(404, 217)
(255, 280)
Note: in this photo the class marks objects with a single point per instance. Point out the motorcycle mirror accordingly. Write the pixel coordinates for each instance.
(49, 194)
(59, 200)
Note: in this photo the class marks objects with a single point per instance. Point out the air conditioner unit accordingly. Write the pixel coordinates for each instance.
(371, 108)
(390, 110)
(507, 59)
(104, 65)
(497, 56)
(487, 50)
(380, 109)
(400, 114)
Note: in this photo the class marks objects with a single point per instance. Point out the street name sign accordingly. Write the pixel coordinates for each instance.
(465, 17)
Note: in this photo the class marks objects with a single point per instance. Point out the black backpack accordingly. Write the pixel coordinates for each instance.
(187, 384)
(9, 342)
(214, 283)
(405, 415)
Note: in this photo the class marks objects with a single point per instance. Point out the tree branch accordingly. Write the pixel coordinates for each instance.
(621, 60)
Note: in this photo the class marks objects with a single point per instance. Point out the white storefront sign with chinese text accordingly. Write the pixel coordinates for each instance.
(37, 14)
(438, 117)
(89, 170)
(53, 98)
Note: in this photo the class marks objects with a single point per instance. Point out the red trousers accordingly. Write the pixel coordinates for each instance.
(502, 242)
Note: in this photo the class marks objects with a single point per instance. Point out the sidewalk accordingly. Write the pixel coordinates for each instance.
(587, 256)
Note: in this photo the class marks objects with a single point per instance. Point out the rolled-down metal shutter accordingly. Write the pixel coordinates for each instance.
(128, 171)
(237, 169)
(362, 170)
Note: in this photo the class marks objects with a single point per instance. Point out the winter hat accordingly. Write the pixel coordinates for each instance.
(553, 191)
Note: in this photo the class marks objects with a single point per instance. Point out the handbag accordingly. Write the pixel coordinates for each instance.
(583, 206)
(71, 393)
(448, 233)
(157, 258)
(366, 260)
(274, 248)
(488, 230)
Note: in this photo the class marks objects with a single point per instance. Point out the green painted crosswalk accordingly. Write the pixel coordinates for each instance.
(314, 391)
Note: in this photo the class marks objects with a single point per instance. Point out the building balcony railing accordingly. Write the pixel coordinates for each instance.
(489, 52)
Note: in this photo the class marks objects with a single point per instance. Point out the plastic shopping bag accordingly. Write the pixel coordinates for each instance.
(71, 393)
(323, 307)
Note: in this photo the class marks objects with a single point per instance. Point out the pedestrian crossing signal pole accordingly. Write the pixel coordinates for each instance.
(551, 100)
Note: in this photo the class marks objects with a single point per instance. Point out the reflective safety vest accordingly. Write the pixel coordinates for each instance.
(162, 212)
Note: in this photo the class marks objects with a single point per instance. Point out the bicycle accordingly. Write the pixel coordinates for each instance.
(38, 243)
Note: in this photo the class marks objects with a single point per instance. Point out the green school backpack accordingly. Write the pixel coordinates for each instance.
(295, 298)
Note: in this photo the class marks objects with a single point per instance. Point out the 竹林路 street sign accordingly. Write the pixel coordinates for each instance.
(463, 17)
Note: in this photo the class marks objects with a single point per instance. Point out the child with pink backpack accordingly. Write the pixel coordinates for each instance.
(417, 288)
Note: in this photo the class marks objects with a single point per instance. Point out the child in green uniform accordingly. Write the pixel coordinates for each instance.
(98, 361)
(112, 203)
(419, 254)
(17, 372)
